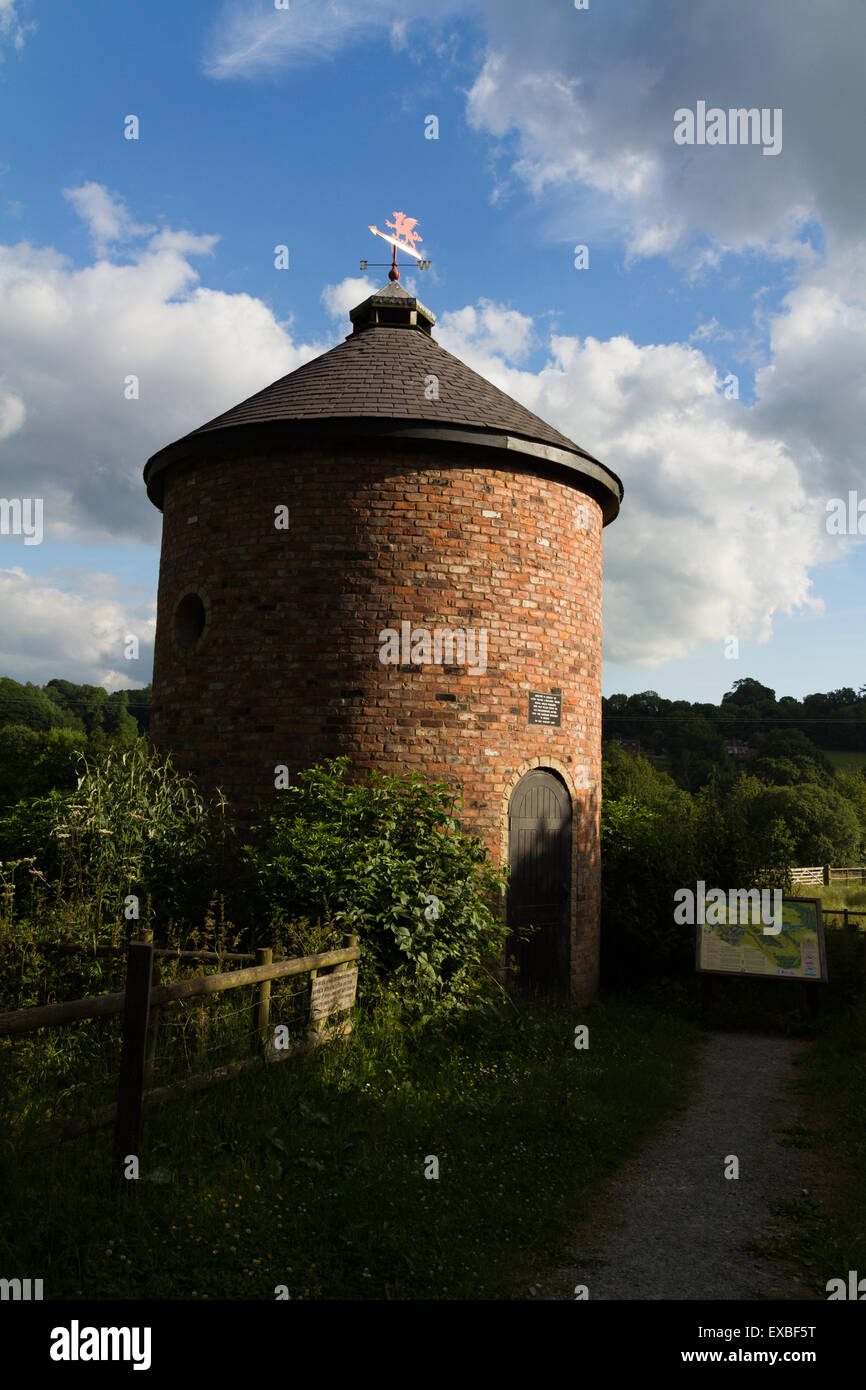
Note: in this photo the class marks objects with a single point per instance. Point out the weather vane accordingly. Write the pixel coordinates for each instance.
(404, 239)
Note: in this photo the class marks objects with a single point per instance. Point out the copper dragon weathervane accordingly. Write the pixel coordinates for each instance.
(404, 239)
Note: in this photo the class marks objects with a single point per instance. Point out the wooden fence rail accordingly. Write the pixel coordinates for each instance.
(141, 1002)
(845, 913)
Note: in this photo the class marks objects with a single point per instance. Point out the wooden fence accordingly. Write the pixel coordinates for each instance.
(845, 913)
(140, 1004)
(823, 873)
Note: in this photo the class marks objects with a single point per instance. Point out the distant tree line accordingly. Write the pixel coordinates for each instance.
(692, 736)
(45, 728)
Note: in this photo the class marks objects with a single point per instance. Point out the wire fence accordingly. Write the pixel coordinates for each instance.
(53, 1078)
(65, 1077)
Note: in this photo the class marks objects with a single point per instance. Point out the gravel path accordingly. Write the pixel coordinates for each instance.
(674, 1227)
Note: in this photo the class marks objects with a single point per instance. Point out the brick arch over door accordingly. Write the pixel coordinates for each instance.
(540, 860)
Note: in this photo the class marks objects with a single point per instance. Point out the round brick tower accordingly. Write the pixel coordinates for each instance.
(383, 555)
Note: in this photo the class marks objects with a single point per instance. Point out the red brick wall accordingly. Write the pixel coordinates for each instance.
(288, 670)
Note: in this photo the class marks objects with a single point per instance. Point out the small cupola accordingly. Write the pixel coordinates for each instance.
(391, 307)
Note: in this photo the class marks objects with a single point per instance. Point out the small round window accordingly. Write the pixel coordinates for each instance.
(189, 621)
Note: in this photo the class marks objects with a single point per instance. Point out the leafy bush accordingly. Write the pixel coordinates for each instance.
(34, 762)
(133, 825)
(646, 855)
(389, 859)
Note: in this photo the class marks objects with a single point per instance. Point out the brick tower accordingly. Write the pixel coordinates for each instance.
(383, 555)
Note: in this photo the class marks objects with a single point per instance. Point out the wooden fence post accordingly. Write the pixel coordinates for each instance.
(312, 1035)
(826, 873)
(152, 1030)
(261, 1005)
(350, 940)
(136, 1010)
(153, 1019)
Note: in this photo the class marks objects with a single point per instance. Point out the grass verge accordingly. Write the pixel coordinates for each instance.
(312, 1175)
(822, 1232)
(826, 1231)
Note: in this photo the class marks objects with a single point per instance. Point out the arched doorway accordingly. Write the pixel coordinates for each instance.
(539, 889)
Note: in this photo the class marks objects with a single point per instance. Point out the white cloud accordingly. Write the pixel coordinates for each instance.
(70, 339)
(811, 389)
(13, 29)
(106, 215)
(48, 631)
(584, 111)
(490, 329)
(348, 294)
(723, 520)
(252, 39)
(710, 331)
(399, 41)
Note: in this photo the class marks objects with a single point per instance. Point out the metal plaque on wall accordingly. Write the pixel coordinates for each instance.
(545, 708)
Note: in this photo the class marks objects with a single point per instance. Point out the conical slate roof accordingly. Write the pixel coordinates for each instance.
(390, 376)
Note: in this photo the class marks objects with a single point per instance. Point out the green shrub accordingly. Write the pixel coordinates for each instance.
(389, 859)
(135, 826)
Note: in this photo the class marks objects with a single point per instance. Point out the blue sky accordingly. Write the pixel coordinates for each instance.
(300, 126)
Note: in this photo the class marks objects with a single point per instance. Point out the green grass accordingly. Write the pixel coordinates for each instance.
(311, 1175)
(835, 896)
(826, 1232)
(823, 1233)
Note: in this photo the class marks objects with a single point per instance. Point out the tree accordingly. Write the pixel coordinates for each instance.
(748, 691)
(623, 775)
(788, 756)
(29, 706)
(695, 749)
(117, 722)
(84, 702)
(823, 825)
(852, 785)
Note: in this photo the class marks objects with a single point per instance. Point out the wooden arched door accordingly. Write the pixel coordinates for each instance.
(539, 890)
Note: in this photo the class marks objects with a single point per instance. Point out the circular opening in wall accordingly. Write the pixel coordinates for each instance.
(189, 621)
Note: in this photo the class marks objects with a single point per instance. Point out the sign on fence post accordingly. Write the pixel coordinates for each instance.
(331, 994)
(136, 1010)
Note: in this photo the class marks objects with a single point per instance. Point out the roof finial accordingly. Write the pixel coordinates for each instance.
(404, 239)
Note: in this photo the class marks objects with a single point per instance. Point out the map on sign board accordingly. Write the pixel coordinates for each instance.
(737, 947)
